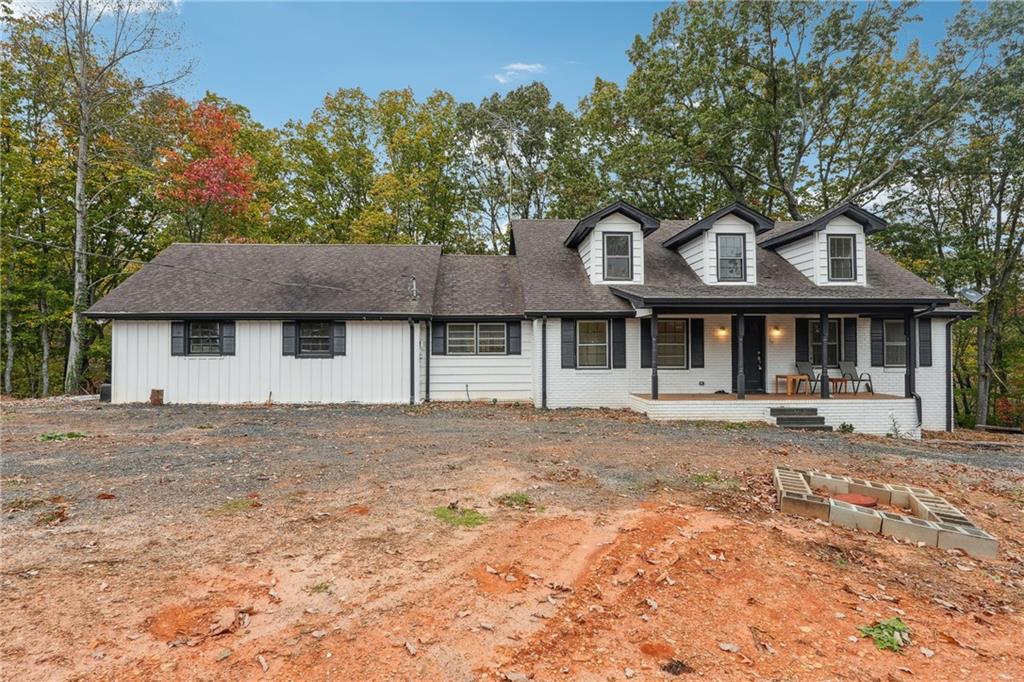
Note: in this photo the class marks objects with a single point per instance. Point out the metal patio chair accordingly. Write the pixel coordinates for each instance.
(849, 371)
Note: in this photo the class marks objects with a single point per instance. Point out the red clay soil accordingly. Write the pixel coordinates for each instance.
(857, 499)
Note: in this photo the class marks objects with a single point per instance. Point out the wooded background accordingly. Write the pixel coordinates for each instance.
(789, 107)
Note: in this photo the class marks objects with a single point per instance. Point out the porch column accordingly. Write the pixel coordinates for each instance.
(909, 330)
(654, 356)
(823, 337)
(741, 379)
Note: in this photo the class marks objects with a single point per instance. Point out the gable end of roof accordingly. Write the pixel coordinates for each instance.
(869, 221)
(648, 223)
(743, 212)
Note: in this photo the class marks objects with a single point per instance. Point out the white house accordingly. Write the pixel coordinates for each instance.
(730, 317)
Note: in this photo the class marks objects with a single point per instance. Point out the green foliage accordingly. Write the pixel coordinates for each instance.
(846, 427)
(514, 500)
(892, 634)
(462, 518)
(59, 436)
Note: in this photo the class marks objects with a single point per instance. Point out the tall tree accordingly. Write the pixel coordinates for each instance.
(794, 106)
(96, 42)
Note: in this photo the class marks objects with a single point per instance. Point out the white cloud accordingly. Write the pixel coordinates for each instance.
(515, 70)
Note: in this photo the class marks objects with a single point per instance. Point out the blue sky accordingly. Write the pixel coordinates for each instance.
(281, 58)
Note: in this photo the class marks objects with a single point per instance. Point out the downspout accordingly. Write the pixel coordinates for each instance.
(430, 340)
(544, 363)
(949, 373)
(412, 362)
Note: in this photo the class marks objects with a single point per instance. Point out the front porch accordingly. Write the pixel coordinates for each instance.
(870, 413)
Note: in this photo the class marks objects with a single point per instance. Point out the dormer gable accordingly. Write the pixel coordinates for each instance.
(610, 242)
(721, 248)
(830, 249)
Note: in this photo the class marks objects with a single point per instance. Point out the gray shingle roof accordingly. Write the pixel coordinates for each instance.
(268, 279)
(554, 279)
(478, 285)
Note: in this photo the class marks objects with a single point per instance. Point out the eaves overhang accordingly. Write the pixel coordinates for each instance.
(743, 212)
(867, 220)
(648, 223)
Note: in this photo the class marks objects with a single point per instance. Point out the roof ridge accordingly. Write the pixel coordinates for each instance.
(305, 244)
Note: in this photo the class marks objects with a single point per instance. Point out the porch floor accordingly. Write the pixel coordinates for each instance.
(863, 395)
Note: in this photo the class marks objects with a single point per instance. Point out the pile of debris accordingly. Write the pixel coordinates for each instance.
(918, 515)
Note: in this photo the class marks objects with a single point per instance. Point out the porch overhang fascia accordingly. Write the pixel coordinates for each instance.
(677, 304)
(230, 315)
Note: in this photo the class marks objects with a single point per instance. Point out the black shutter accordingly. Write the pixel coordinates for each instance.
(338, 338)
(514, 338)
(697, 342)
(288, 338)
(850, 340)
(568, 344)
(877, 342)
(227, 338)
(645, 342)
(438, 338)
(803, 348)
(924, 344)
(618, 343)
(177, 338)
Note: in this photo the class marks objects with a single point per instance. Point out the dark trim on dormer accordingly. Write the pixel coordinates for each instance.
(741, 211)
(869, 221)
(648, 223)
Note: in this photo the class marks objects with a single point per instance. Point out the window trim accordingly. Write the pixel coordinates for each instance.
(188, 339)
(852, 238)
(604, 256)
(476, 338)
(813, 339)
(607, 345)
(448, 338)
(743, 257)
(299, 353)
(504, 339)
(886, 343)
(685, 344)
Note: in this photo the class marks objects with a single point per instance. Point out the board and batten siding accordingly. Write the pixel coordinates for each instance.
(505, 378)
(375, 368)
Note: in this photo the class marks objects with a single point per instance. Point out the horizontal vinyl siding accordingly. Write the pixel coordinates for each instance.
(801, 255)
(375, 368)
(693, 253)
(841, 226)
(594, 258)
(485, 377)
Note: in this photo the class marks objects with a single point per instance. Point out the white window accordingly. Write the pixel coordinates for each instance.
(491, 338)
(461, 338)
(732, 259)
(895, 343)
(592, 344)
(618, 256)
(833, 343)
(204, 338)
(841, 263)
(672, 344)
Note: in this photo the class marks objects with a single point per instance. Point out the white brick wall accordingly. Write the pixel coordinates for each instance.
(612, 387)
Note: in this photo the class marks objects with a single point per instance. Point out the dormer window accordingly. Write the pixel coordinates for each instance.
(732, 266)
(618, 256)
(841, 264)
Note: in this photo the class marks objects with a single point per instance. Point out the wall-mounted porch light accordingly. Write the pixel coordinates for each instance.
(722, 332)
(776, 332)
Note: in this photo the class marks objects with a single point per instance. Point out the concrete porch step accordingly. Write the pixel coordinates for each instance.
(794, 411)
(800, 421)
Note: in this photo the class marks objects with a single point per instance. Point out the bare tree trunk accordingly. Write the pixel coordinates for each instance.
(72, 378)
(44, 341)
(9, 346)
(986, 353)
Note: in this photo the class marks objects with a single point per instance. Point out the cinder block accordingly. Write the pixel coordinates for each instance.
(972, 540)
(899, 495)
(787, 481)
(919, 503)
(910, 528)
(878, 491)
(851, 516)
(956, 519)
(836, 485)
(803, 473)
(800, 504)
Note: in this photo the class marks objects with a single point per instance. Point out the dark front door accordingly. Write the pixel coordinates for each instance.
(753, 353)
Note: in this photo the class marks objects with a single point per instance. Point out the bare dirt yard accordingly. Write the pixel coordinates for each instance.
(479, 543)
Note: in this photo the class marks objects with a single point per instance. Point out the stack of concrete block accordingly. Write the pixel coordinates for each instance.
(935, 522)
